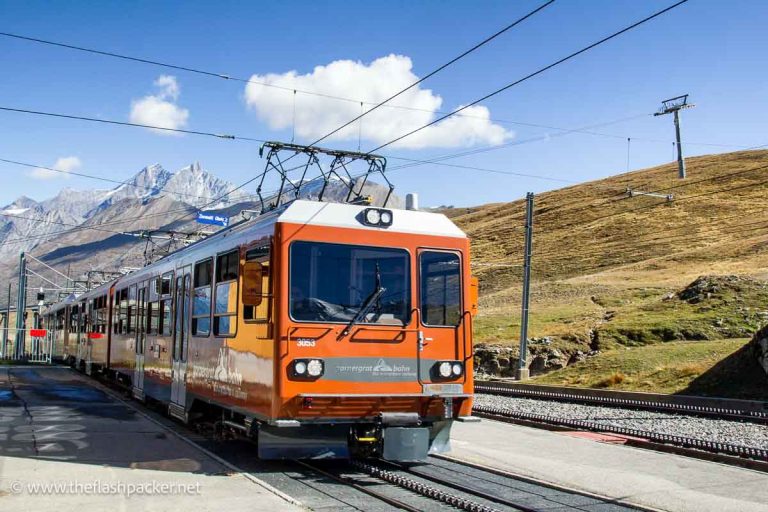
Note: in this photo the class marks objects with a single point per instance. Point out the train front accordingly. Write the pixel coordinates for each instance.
(374, 333)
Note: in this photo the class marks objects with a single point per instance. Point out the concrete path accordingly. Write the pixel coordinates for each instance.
(66, 445)
(642, 477)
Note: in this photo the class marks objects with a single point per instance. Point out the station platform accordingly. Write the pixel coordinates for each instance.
(645, 478)
(66, 445)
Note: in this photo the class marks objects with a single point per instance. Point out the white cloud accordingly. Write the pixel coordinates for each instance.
(316, 116)
(168, 85)
(66, 164)
(160, 109)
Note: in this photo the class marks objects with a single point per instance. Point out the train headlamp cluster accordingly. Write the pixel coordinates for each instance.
(378, 217)
(448, 369)
(308, 368)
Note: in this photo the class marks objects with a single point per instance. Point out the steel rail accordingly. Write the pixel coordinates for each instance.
(463, 488)
(365, 490)
(747, 452)
(422, 489)
(740, 410)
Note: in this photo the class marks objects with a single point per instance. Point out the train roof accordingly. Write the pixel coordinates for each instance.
(70, 299)
(344, 215)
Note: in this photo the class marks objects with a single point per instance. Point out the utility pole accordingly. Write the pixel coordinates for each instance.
(7, 323)
(674, 106)
(522, 368)
(21, 306)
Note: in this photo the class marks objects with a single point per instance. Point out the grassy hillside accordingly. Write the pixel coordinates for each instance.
(608, 269)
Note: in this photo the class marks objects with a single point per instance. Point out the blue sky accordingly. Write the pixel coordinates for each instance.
(713, 50)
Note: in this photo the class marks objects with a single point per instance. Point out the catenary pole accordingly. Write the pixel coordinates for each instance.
(7, 323)
(522, 369)
(18, 346)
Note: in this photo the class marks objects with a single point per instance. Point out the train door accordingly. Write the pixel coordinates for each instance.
(141, 338)
(440, 305)
(86, 336)
(180, 341)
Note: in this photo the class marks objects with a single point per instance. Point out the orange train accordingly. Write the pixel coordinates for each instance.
(318, 329)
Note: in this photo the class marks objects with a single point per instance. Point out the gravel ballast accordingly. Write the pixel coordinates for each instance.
(709, 429)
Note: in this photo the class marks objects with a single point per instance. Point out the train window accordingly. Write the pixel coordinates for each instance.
(123, 321)
(332, 282)
(132, 317)
(102, 314)
(165, 285)
(440, 288)
(256, 285)
(203, 273)
(201, 302)
(227, 265)
(225, 307)
(153, 317)
(165, 318)
(73, 314)
(115, 312)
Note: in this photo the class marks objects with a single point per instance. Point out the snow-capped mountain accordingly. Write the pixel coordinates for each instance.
(26, 223)
(147, 183)
(195, 186)
(76, 203)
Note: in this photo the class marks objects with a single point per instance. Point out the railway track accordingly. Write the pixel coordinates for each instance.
(441, 495)
(732, 410)
(721, 408)
(445, 482)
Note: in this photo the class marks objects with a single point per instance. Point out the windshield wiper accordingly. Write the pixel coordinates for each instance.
(368, 303)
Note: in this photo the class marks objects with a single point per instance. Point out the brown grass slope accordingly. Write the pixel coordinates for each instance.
(601, 257)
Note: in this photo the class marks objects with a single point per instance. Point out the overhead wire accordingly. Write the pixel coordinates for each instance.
(125, 123)
(533, 74)
(293, 90)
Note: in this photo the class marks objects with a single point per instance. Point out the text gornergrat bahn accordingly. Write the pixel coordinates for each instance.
(318, 329)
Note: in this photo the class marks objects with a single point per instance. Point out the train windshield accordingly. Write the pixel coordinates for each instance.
(331, 282)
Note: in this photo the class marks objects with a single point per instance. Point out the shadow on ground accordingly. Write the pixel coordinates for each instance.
(737, 376)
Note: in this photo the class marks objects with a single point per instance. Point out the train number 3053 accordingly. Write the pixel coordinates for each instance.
(305, 342)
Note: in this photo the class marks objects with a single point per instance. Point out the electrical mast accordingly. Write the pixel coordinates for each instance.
(674, 106)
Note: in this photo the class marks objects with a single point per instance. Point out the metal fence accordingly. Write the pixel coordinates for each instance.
(27, 345)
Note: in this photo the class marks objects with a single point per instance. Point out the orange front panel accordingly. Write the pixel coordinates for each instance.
(372, 359)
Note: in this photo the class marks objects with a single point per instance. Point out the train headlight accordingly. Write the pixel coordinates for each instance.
(372, 216)
(315, 368)
(378, 217)
(308, 368)
(444, 369)
(447, 370)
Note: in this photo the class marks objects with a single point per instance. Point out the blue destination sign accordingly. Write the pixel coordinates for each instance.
(210, 218)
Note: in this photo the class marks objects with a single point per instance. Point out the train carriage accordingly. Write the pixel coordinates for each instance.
(319, 329)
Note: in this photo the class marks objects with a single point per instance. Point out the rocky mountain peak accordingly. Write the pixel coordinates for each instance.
(21, 202)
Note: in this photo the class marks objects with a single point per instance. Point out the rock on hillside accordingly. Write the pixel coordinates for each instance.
(718, 287)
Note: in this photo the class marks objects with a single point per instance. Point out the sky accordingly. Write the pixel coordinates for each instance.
(365, 51)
